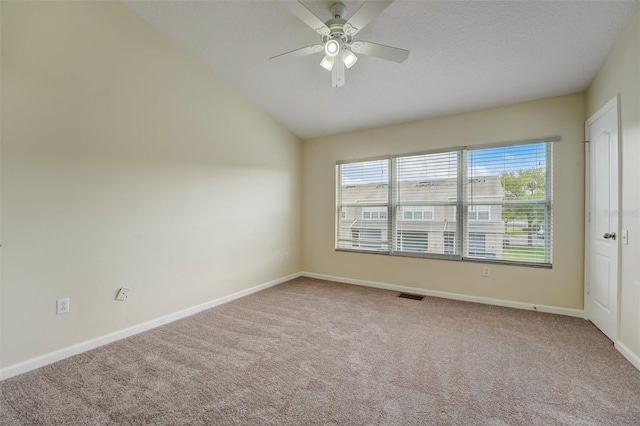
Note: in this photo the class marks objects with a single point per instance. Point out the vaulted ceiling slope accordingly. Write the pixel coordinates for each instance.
(465, 55)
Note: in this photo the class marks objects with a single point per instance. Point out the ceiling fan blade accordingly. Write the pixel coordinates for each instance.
(380, 51)
(369, 10)
(299, 53)
(306, 16)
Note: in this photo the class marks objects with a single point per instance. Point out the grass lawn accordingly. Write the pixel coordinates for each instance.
(521, 252)
(515, 230)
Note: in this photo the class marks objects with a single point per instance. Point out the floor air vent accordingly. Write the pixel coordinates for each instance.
(411, 296)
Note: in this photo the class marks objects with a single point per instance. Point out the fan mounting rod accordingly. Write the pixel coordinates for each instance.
(338, 10)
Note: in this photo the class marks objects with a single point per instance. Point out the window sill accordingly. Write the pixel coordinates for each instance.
(456, 258)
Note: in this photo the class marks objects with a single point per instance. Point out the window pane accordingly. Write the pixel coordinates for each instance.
(428, 215)
(363, 192)
(513, 177)
(426, 191)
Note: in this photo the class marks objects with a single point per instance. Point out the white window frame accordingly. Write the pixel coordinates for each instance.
(396, 212)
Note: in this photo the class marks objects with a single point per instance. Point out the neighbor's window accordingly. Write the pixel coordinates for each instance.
(417, 212)
(504, 194)
(479, 213)
(374, 213)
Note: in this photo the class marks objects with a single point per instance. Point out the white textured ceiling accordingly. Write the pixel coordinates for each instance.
(465, 55)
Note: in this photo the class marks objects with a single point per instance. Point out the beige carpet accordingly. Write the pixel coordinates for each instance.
(315, 352)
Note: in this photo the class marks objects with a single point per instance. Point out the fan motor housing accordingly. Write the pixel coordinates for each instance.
(336, 28)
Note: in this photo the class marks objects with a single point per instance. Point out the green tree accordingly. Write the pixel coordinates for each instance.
(524, 184)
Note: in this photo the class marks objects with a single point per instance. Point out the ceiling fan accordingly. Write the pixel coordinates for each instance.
(336, 36)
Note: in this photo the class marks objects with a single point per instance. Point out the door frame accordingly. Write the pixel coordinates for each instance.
(613, 103)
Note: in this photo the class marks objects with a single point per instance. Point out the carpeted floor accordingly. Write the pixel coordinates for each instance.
(313, 352)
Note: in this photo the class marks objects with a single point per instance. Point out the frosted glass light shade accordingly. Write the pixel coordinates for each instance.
(348, 58)
(327, 63)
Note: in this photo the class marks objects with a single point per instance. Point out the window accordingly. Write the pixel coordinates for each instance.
(379, 213)
(417, 213)
(450, 242)
(479, 213)
(477, 244)
(413, 241)
(475, 203)
(369, 239)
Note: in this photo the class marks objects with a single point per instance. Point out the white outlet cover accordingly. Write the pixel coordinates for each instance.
(62, 306)
(123, 293)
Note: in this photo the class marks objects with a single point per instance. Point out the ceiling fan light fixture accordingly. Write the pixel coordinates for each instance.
(348, 58)
(327, 63)
(332, 47)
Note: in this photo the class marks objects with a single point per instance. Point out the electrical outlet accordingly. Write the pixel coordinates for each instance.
(486, 271)
(286, 255)
(123, 294)
(62, 306)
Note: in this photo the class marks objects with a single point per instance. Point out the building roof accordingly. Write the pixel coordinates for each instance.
(486, 188)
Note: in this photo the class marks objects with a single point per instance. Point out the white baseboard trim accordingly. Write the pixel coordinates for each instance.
(628, 354)
(41, 361)
(455, 296)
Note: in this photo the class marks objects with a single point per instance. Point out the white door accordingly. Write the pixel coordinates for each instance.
(601, 298)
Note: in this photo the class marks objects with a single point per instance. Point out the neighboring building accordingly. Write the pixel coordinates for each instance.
(423, 228)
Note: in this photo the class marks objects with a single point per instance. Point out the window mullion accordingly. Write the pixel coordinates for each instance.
(391, 215)
(338, 203)
(462, 204)
(549, 201)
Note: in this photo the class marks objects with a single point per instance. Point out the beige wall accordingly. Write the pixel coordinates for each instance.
(561, 286)
(620, 74)
(126, 162)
